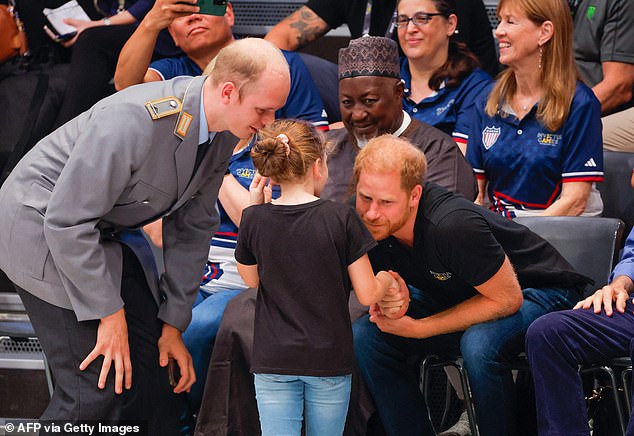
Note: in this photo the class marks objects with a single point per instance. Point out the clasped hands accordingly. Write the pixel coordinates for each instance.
(389, 313)
(394, 303)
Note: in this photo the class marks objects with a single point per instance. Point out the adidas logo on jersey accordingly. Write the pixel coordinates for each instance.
(590, 163)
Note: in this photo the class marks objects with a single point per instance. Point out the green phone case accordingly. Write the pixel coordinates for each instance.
(212, 7)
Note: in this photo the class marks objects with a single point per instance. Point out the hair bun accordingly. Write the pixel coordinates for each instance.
(285, 150)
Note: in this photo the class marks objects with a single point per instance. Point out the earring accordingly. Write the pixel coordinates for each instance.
(539, 64)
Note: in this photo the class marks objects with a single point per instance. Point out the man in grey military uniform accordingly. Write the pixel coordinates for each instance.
(86, 280)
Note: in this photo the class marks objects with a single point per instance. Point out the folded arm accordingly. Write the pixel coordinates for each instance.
(616, 87)
(572, 201)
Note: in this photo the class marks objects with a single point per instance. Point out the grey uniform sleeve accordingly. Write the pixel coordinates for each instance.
(186, 236)
(98, 169)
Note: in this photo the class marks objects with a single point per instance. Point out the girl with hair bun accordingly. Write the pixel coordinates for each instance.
(303, 253)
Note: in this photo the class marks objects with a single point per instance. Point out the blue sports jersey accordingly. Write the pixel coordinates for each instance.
(448, 109)
(303, 102)
(169, 68)
(221, 271)
(525, 164)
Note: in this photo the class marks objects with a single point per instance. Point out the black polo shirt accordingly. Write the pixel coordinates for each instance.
(459, 245)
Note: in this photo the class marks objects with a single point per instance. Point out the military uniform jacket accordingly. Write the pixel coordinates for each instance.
(115, 167)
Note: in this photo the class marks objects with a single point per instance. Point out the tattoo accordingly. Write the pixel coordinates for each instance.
(307, 24)
(306, 34)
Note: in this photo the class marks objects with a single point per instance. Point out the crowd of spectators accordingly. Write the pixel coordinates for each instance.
(505, 133)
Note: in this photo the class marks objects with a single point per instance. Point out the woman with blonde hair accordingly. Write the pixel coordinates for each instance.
(535, 144)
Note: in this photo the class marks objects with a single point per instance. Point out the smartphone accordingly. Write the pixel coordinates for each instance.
(212, 7)
(66, 37)
(57, 37)
(173, 372)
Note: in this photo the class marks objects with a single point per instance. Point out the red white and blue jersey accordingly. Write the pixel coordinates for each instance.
(525, 164)
(221, 271)
(448, 109)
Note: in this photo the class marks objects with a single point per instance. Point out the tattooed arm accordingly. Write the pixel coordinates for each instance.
(297, 30)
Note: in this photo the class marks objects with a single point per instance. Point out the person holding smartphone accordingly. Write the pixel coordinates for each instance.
(201, 36)
(115, 13)
(95, 49)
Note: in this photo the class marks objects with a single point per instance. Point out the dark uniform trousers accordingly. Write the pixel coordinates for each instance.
(66, 343)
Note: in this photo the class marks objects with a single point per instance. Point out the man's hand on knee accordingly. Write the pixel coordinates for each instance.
(112, 344)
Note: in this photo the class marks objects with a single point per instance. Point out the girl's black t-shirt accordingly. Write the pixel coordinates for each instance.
(302, 324)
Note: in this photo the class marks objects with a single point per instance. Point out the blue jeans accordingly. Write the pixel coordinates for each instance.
(200, 335)
(556, 344)
(389, 364)
(284, 399)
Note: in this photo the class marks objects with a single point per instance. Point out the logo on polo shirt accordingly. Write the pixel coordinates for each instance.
(441, 276)
(548, 139)
(590, 163)
(490, 135)
(441, 109)
(247, 173)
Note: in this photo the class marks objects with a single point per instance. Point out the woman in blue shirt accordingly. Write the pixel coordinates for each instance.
(535, 143)
(442, 77)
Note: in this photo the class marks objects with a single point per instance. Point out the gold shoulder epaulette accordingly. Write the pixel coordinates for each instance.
(163, 107)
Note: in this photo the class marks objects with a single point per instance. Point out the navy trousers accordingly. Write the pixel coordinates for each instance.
(556, 344)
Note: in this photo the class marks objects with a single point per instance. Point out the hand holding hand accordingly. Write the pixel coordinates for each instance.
(171, 345)
(112, 344)
(404, 326)
(396, 302)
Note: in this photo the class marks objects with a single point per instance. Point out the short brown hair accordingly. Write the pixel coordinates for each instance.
(243, 61)
(273, 159)
(389, 153)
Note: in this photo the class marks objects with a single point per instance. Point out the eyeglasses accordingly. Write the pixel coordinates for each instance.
(419, 19)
